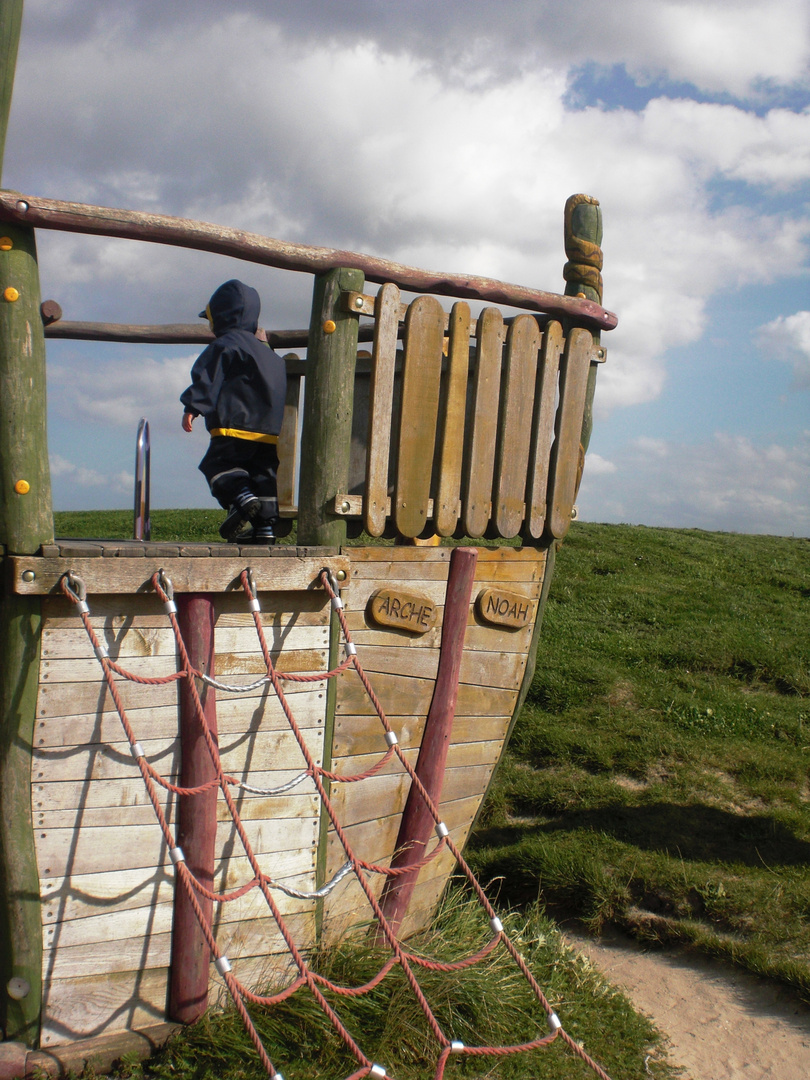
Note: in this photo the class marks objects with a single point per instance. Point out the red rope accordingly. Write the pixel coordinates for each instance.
(306, 977)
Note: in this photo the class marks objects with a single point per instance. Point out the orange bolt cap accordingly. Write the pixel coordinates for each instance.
(329, 327)
(22, 487)
(6, 243)
(11, 294)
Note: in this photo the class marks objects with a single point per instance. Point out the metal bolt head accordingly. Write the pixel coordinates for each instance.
(358, 301)
(345, 506)
(341, 575)
(22, 206)
(18, 988)
(29, 575)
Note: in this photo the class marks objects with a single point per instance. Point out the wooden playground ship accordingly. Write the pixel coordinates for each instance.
(443, 426)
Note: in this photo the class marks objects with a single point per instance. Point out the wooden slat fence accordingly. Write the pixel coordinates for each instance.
(465, 427)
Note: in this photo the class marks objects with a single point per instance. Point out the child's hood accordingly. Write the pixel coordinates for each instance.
(234, 306)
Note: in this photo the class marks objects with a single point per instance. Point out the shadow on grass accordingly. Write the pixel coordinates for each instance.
(696, 833)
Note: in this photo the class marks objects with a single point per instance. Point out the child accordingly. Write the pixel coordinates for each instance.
(238, 384)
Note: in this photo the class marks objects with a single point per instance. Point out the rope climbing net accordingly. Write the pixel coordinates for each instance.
(304, 977)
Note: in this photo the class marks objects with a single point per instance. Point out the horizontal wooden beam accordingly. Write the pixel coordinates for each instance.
(171, 334)
(34, 574)
(304, 258)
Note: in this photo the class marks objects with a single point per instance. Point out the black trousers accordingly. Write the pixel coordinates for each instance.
(232, 466)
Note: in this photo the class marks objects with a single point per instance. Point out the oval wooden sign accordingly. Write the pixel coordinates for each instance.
(402, 610)
(504, 608)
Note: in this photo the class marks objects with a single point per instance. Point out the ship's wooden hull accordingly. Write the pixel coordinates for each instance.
(107, 886)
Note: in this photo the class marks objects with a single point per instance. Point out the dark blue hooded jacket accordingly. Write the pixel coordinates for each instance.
(238, 383)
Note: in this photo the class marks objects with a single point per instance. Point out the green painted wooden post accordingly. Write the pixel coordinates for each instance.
(26, 521)
(20, 917)
(10, 22)
(328, 402)
(26, 516)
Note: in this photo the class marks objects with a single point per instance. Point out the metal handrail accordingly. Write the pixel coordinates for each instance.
(142, 529)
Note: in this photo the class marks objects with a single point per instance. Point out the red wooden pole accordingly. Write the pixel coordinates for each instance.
(417, 822)
(196, 817)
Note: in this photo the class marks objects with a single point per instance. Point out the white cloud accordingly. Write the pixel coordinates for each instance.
(68, 473)
(788, 338)
(599, 466)
(732, 46)
(429, 133)
(118, 393)
(451, 178)
(728, 483)
(741, 47)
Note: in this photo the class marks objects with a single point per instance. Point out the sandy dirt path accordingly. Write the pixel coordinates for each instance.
(722, 1024)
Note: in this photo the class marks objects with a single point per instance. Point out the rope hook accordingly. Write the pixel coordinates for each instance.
(165, 583)
(74, 586)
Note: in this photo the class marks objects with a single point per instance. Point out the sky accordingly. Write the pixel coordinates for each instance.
(446, 134)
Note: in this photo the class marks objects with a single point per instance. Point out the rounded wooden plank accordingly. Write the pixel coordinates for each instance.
(480, 465)
(200, 235)
(381, 397)
(424, 336)
(451, 424)
(288, 443)
(514, 438)
(565, 453)
(543, 427)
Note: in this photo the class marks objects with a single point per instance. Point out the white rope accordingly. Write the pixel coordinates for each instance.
(324, 889)
(273, 791)
(244, 689)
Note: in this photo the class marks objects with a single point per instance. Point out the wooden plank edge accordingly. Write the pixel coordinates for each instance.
(101, 1052)
(34, 574)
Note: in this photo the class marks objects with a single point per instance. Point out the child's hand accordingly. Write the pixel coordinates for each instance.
(188, 420)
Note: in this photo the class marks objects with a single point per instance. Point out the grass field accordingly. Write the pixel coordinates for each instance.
(657, 780)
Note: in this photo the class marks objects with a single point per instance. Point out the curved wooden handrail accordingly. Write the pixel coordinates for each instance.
(252, 247)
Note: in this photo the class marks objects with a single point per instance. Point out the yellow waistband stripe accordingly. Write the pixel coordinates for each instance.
(252, 436)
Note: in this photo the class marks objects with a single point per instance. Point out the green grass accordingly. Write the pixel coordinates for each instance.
(487, 1002)
(192, 526)
(657, 778)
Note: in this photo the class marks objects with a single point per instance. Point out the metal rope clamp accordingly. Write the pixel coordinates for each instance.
(253, 602)
(77, 590)
(165, 583)
(337, 603)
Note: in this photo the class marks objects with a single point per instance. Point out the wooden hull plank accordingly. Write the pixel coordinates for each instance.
(83, 1007)
(357, 735)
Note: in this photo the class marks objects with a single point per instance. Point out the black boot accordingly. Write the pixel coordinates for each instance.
(263, 533)
(244, 509)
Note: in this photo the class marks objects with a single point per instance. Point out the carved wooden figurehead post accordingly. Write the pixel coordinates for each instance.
(583, 278)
